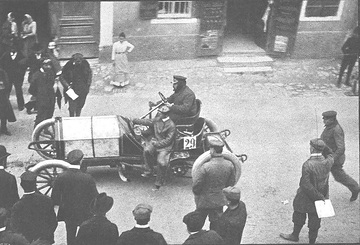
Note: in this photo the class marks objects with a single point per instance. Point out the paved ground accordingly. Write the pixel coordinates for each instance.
(271, 117)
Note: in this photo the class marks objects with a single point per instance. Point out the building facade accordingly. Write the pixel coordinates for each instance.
(192, 29)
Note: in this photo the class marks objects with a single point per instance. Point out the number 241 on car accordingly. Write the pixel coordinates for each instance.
(189, 143)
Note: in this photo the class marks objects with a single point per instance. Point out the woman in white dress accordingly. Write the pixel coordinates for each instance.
(28, 34)
(120, 61)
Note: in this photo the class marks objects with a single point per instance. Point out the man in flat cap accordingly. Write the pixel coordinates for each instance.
(212, 177)
(98, 229)
(160, 141)
(73, 191)
(182, 102)
(77, 75)
(33, 215)
(333, 136)
(141, 233)
(194, 223)
(231, 223)
(42, 87)
(314, 185)
(8, 188)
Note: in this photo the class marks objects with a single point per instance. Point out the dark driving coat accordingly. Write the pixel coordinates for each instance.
(205, 238)
(6, 110)
(8, 190)
(184, 103)
(137, 236)
(314, 183)
(73, 191)
(34, 217)
(42, 86)
(97, 230)
(16, 68)
(212, 177)
(333, 136)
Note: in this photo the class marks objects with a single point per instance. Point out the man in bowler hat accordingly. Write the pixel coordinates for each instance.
(182, 102)
(98, 229)
(231, 223)
(212, 177)
(73, 191)
(313, 186)
(333, 136)
(8, 187)
(33, 215)
(141, 233)
(194, 223)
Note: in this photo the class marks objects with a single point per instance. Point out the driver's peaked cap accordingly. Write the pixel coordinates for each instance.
(178, 78)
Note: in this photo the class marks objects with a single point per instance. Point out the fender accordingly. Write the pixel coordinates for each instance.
(205, 157)
(49, 163)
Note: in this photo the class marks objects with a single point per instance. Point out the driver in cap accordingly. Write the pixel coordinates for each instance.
(159, 144)
(182, 102)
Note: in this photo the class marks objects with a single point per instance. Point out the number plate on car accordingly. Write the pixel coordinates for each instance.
(189, 143)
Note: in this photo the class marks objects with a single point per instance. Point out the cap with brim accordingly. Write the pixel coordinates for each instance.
(142, 211)
(194, 220)
(318, 144)
(232, 193)
(74, 156)
(28, 176)
(3, 152)
(101, 204)
(329, 114)
(178, 78)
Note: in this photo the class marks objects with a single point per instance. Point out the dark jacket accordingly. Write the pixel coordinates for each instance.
(73, 191)
(210, 180)
(42, 86)
(34, 217)
(6, 37)
(314, 183)
(231, 224)
(184, 103)
(333, 136)
(16, 68)
(12, 238)
(6, 110)
(8, 190)
(205, 238)
(351, 46)
(164, 132)
(97, 230)
(137, 236)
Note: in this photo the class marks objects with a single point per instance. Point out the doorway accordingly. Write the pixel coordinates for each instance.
(244, 25)
(39, 11)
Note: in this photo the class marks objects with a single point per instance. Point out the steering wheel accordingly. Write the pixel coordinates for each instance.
(163, 98)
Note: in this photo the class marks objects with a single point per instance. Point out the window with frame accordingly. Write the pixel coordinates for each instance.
(322, 8)
(174, 9)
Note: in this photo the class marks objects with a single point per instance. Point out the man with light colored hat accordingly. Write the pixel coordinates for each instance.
(231, 223)
(333, 136)
(8, 188)
(141, 233)
(313, 186)
(98, 229)
(182, 102)
(160, 142)
(33, 215)
(211, 178)
(73, 191)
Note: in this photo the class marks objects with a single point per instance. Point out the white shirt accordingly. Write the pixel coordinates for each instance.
(2, 167)
(121, 47)
(13, 55)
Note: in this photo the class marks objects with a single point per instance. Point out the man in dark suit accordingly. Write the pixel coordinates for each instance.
(14, 63)
(212, 177)
(9, 237)
(73, 191)
(8, 188)
(98, 229)
(33, 215)
(194, 222)
(141, 233)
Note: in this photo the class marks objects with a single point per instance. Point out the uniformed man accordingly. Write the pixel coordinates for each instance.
(314, 185)
(182, 102)
(211, 178)
(230, 225)
(333, 136)
(161, 143)
(33, 215)
(141, 233)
